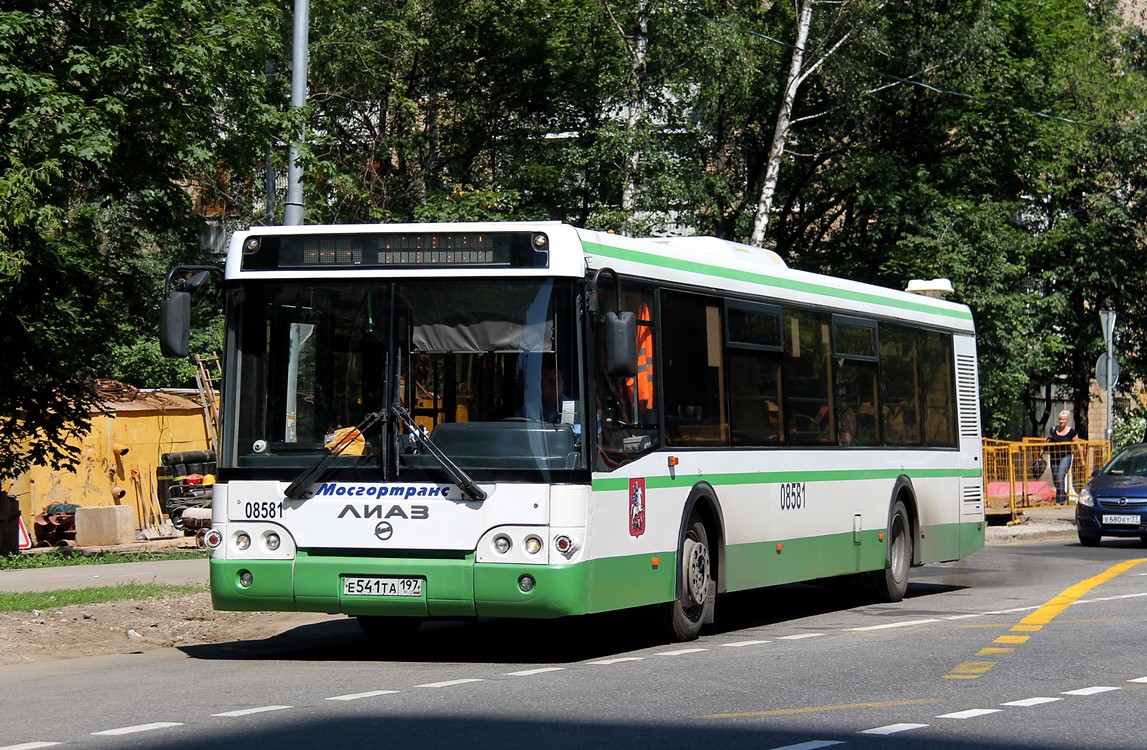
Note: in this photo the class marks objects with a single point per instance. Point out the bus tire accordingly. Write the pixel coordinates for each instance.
(892, 582)
(378, 629)
(693, 607)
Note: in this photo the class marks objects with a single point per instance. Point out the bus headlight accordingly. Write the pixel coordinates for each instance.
(502, 544)
(242, 541)
(533, 545)
(272, 541)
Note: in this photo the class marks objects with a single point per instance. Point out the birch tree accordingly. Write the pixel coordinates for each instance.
(799, 72)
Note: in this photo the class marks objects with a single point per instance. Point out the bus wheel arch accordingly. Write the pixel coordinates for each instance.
(700, 569)
(901, 545)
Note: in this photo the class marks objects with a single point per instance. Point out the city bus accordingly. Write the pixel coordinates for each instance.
(532, 420)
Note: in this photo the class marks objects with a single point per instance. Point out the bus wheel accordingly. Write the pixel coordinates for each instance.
(379, 629)
(694, 607)
(892, 582)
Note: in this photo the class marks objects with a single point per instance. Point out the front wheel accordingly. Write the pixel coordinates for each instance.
(892, 582)
(693, 608)
(1088, 540)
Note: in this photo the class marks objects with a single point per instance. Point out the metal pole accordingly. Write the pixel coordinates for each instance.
(293, 206)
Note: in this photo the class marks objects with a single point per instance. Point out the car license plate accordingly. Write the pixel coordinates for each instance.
(371, 586)
(1120, 520)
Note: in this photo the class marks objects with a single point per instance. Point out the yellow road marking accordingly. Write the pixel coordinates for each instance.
(1058, 603)
(970, 670)
(1012, 639)
(816, 709)
(1034, 622)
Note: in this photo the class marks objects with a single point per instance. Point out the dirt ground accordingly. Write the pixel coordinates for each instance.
(124, 627)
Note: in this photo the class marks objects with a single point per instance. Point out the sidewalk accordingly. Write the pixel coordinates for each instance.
(1040, 522)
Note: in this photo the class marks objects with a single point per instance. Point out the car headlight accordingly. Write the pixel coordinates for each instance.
(1085, 498)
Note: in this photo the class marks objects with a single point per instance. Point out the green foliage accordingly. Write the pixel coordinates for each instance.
(26, 601)
(62, 556)
(118, 118)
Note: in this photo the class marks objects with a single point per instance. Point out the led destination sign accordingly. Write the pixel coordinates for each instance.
(397, 250)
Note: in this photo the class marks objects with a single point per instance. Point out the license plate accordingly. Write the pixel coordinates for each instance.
(1121, 520)
(364, 586)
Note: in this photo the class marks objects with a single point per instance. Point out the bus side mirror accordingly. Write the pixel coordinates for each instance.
(175, 324)
(620, 344)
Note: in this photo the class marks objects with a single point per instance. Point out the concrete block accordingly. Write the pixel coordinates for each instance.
(105, 525)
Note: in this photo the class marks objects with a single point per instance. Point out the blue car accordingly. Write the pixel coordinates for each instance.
(1114, 502)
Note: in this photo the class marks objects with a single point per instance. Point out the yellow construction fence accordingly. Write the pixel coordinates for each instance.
(1018, 475)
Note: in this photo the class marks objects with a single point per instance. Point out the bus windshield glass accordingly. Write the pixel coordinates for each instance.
(486, 368)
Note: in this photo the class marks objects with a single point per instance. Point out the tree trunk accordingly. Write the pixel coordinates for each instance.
(635, 117)
(781, 134)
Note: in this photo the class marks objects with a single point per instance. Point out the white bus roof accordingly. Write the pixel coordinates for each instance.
(705, 262)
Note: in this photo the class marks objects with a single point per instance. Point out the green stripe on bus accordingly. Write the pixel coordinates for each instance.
(615, 484)
(793, 285)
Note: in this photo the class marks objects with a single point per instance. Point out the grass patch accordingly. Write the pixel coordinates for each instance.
(26, 601)
(63, 556)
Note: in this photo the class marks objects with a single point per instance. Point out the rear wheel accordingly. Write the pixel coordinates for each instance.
(379, 629)
(892, 582)
(694, 607)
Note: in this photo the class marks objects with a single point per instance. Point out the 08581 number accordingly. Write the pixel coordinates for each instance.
(264, 509)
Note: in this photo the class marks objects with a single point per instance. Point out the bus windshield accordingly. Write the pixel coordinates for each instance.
(486, 368)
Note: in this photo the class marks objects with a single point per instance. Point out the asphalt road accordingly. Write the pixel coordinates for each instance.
(1019, 646)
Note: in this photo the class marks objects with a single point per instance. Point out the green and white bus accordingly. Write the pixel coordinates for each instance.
(532, 420)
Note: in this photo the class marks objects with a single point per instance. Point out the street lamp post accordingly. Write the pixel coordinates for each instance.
(293, 206)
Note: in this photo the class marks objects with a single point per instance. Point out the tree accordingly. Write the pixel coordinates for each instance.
(118, 117)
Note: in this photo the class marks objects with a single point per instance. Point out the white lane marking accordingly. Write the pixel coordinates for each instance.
(1091, 690)
(962, 617)
(738, 644)
(800, 636)
(893, 729)
(356, 696)
(450, 683)
(1011, 611)
(887, 625)
(29, 746)
(532, 672)
(971, 713)
(140, 728)
(1028, 702)
(1137, 679)
(1111, 598)
(618, 660)
(812, 745)
(680, 652)
(249, 711)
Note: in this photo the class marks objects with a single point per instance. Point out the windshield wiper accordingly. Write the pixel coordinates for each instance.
(300, 488)
(457, 475)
